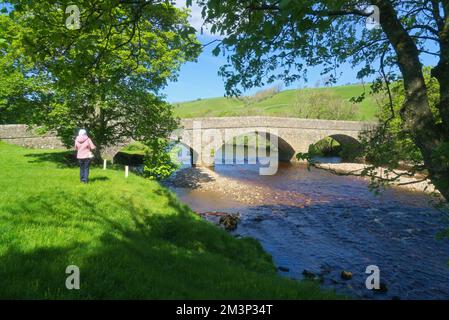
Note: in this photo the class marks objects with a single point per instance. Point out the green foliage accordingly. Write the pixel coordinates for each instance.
(107, 76)
(269, 41)
(135, 148)
(325, 148)
(158, 163)
(391, 145)
(131, 239)
(21, 87)
(262, 95)
(352, 152)
(324, 104)
(329, 147)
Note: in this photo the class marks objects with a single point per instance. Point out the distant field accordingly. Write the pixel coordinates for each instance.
(319, 103)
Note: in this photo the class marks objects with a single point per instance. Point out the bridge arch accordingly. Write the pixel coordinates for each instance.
(345, 139)
(343, 145)
(186, 154)
(254, 138)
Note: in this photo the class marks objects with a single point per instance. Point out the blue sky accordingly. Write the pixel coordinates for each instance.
(200, 79)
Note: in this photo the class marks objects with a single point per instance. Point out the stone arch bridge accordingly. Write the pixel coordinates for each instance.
(201, 135)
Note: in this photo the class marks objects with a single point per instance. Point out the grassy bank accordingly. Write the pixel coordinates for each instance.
(130, 238)
(305, 103)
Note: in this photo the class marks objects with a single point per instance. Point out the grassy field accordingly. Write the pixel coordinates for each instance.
(288, 103)
(131, 238)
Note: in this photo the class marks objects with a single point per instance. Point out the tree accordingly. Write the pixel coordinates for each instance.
(106, 75)
(270, 40)
(158, 165)
(19, 82)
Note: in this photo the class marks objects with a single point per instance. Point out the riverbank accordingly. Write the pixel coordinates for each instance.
(405, 182)
(245, 192)
(131, 239)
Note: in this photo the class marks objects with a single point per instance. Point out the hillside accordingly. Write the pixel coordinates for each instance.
(322, 103)
(131, 238)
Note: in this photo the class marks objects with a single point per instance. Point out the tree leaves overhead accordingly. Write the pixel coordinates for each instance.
(107, 75)
(272, 40)
(136, 38)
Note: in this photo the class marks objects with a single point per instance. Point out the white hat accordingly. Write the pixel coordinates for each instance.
(82, 132)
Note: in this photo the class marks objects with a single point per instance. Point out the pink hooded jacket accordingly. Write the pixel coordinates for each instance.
(84, 146)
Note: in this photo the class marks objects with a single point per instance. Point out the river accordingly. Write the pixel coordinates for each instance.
(322, 223)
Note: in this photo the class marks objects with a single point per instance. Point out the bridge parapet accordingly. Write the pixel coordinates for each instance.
(275, 122)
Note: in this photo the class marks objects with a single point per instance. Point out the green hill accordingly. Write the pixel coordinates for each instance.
(319, 103)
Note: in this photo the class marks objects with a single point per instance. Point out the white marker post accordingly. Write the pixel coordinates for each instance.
(126, 172)
(105, 163)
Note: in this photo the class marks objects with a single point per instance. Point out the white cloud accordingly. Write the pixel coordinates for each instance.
(196, 19)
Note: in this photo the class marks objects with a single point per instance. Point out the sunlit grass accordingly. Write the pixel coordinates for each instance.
(131, 238)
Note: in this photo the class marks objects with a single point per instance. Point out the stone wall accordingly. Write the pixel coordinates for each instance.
(20, 134)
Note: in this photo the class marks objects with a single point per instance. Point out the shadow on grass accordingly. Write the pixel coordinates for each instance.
(98, 179)
(132, 253)
(63, 159)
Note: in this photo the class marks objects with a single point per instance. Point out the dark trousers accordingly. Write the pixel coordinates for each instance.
(84, 170)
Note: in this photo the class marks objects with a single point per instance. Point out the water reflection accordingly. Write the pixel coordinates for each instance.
(342, 227)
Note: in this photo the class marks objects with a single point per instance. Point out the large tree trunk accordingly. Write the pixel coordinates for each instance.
(416, 113)
(441, 71)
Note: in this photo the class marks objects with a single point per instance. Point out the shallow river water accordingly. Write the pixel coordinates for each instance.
(338, 224)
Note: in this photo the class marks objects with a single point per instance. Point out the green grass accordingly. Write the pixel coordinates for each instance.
(283, 104)
(131, 238)
(135, 148)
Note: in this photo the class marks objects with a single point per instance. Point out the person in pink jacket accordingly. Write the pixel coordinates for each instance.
(84, 147)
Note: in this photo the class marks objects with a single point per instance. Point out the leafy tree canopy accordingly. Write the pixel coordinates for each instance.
(107, 75)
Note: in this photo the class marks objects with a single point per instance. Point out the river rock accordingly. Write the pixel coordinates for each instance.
(346, 275)
(308, 274)
(283, 269)
(312, 276)
(229, 221)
